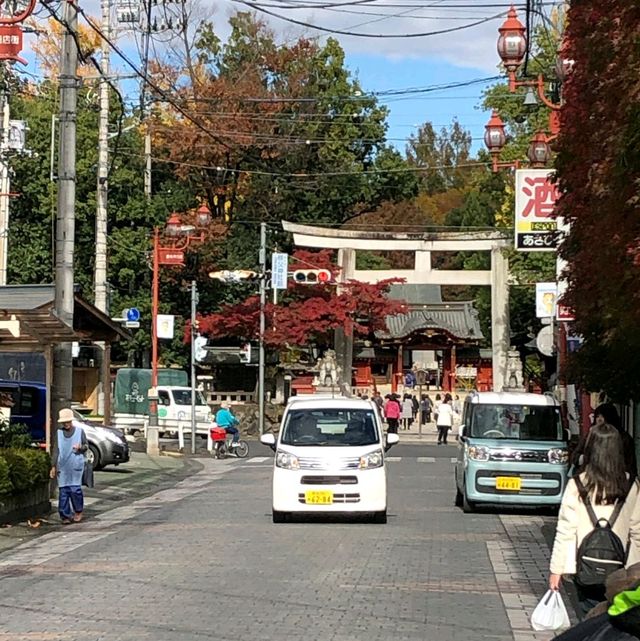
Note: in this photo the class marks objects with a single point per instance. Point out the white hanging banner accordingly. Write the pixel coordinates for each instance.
(165, 325)
(546, 297)
(17, 135)
(279, 267)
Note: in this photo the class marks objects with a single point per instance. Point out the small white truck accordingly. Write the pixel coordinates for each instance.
(174, 402)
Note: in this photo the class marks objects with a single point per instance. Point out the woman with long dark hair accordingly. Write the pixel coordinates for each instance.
(607, 413)
(605, 485)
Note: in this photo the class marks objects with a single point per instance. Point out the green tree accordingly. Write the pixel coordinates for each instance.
(440, 153)
(131, 218)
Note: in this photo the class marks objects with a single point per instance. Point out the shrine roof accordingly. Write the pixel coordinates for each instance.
(457, 318)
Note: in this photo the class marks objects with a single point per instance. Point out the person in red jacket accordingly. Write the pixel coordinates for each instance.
(392, 412)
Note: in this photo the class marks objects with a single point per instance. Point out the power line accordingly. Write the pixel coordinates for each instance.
(142, 75)
(306, 175)
(308, 25)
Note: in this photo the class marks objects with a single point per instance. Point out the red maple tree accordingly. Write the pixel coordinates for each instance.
(309, 313)
(599, 179)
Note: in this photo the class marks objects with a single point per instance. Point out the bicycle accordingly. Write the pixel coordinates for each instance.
(222, 444)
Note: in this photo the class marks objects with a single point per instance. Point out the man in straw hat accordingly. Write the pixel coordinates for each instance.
(69, 466)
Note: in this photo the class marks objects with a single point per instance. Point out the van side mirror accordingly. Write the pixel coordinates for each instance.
(270, 440)
(462, 432)
(391, 440)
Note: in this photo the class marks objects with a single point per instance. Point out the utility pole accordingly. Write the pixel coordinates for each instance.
(194, 309)
(147, 163)
(100, 271)
(5, 180)
(65, 219)
(263, 301)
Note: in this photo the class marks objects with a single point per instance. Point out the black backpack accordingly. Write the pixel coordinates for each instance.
(601, 551)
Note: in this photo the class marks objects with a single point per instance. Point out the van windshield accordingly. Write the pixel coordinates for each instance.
(520, 422)
(183, 397)
(331, 427)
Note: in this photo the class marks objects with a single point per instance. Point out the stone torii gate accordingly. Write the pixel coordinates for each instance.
(348, 242)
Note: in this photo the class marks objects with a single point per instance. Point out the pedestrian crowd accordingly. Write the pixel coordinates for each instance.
(401, 411)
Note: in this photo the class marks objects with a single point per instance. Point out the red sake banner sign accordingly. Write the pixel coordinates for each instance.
(536, 195)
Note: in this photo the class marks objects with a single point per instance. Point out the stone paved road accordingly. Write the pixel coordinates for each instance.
(202, 560)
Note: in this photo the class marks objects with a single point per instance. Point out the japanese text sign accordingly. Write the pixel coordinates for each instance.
(536, 195)
(11, 43)
(279, 267)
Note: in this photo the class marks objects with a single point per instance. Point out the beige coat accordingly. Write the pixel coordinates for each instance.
(574, 524)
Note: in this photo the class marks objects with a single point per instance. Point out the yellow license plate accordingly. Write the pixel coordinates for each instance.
(512, 483)
(318, 497)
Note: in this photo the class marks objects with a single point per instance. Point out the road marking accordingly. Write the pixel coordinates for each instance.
(426, 459)
(259, 459)
(393, 459)
(454, 459)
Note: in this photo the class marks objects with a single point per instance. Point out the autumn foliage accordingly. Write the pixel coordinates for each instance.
(309, 313)
(599, 178)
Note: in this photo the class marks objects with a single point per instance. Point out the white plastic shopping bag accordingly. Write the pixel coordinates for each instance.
(550, 613)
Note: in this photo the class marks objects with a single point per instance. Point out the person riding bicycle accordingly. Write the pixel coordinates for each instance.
(226, 420)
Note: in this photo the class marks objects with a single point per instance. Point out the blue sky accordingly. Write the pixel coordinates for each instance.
(440, 108)
(401, 62)
(388, 63)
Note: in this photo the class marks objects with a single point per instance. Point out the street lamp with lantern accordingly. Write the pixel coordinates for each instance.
(539, 151)
(512, 46)
(495, 139)
(178, 237)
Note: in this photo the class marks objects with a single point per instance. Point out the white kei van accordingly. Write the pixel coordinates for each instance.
(330, 458)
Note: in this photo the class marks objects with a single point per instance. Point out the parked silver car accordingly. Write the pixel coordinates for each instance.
(107, 445)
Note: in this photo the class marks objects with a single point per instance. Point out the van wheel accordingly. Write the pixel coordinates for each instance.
(93, 455)
(380, 517)
(459, 498)
(467, 506)
(279, 517)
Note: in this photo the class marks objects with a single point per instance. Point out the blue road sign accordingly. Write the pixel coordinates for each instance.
(133, 314)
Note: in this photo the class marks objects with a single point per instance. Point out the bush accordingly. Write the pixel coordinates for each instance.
(6, 486)
(14, 435)
(22, 470)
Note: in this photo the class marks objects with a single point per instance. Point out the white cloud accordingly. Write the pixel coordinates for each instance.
(474, 47)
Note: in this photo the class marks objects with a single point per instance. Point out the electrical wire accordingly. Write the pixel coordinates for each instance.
(306, 175)
(308, 25)
(324, 5)
(145, 77)
(91, 59)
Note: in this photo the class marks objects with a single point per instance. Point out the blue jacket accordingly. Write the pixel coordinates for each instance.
(224, 418)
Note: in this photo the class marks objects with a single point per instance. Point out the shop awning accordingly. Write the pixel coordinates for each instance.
(32, 307)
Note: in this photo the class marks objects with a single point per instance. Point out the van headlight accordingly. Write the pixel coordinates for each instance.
(287, 461)
(114, 438)
(371, 460)
(558, 456)
(478, 453)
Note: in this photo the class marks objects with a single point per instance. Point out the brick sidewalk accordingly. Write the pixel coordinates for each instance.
(521, 566)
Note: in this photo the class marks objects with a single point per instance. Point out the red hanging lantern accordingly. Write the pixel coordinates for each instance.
(174, 225)
(512, 42)
(539, 151)
(564, 62)
(494, 135)
(203, 216)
